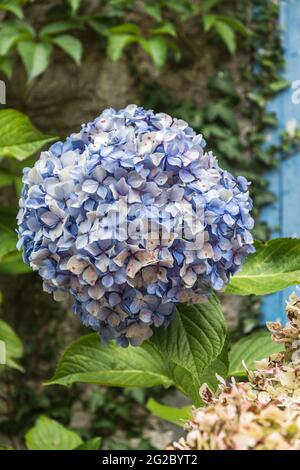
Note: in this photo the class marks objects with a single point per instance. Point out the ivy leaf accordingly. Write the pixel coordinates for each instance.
(157, 48)
(13, 264)
(13, 346)
(35, 57)
(208, 22)
(154, 10)
(92, 444)
(12, 7)
(235, 24)
(8, 241)
(6, 66)
(9, 35)
(279, 85)
(70, 45)
(207, 5)
(48, 434)
(19, 138)
(117, 44)
(274, 266)
(250, 349)
(166, 28)
(75, 4)
(124, 28)
(226, 34)
(171, 414)
(58, 27)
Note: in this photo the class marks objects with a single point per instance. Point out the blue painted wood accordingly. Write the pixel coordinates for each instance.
(284, 216)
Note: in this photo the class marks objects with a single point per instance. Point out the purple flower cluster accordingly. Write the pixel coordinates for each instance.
(131, 216)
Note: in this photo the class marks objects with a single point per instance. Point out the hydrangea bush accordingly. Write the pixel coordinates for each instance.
(130, 216)
(262, 414)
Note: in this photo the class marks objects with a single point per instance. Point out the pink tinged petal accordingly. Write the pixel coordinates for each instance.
(90, 186)
(138, 330)
(113, 319)
(96, 292)
(90, 276)
(162, 275)
(146, 258)
(121, 258)
(93, 308)
(75, 265)
(133, 267)
(206, 252)
(149, 274)
(60, 295)
(190, 278)
(102, 263)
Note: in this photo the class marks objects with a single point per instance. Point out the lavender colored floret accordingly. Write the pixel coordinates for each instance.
(87, 205)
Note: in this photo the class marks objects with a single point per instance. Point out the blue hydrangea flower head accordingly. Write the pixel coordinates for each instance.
(131, 216)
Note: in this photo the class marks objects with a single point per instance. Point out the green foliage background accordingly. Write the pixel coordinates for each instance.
(209, 62)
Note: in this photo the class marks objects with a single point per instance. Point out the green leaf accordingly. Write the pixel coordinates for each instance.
(75, 4)
(92, 444)
(12, 7)
(171, 414)
(130, 28)
(48, 434)
(6, 179)
(19, 138)
(35, 57)
(235, 24)
(180, 355)
(6, 66)
(226, 33)
(157, 48)
(58, 27)
(117, 43)
(70, 45)
(9, 36)
(8, 241)
(208, 22)
(154, 10)
(88, 361)
(13, 346)
(165, 28)
(2, 447)
(279, 85)
(250, 349)
(13, 264)
(207, 5)
(274, 266)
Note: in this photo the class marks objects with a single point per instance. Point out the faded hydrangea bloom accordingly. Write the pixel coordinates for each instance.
(262, 414)
(131, 216)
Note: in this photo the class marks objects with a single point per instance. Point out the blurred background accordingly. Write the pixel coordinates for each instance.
(218, 65)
